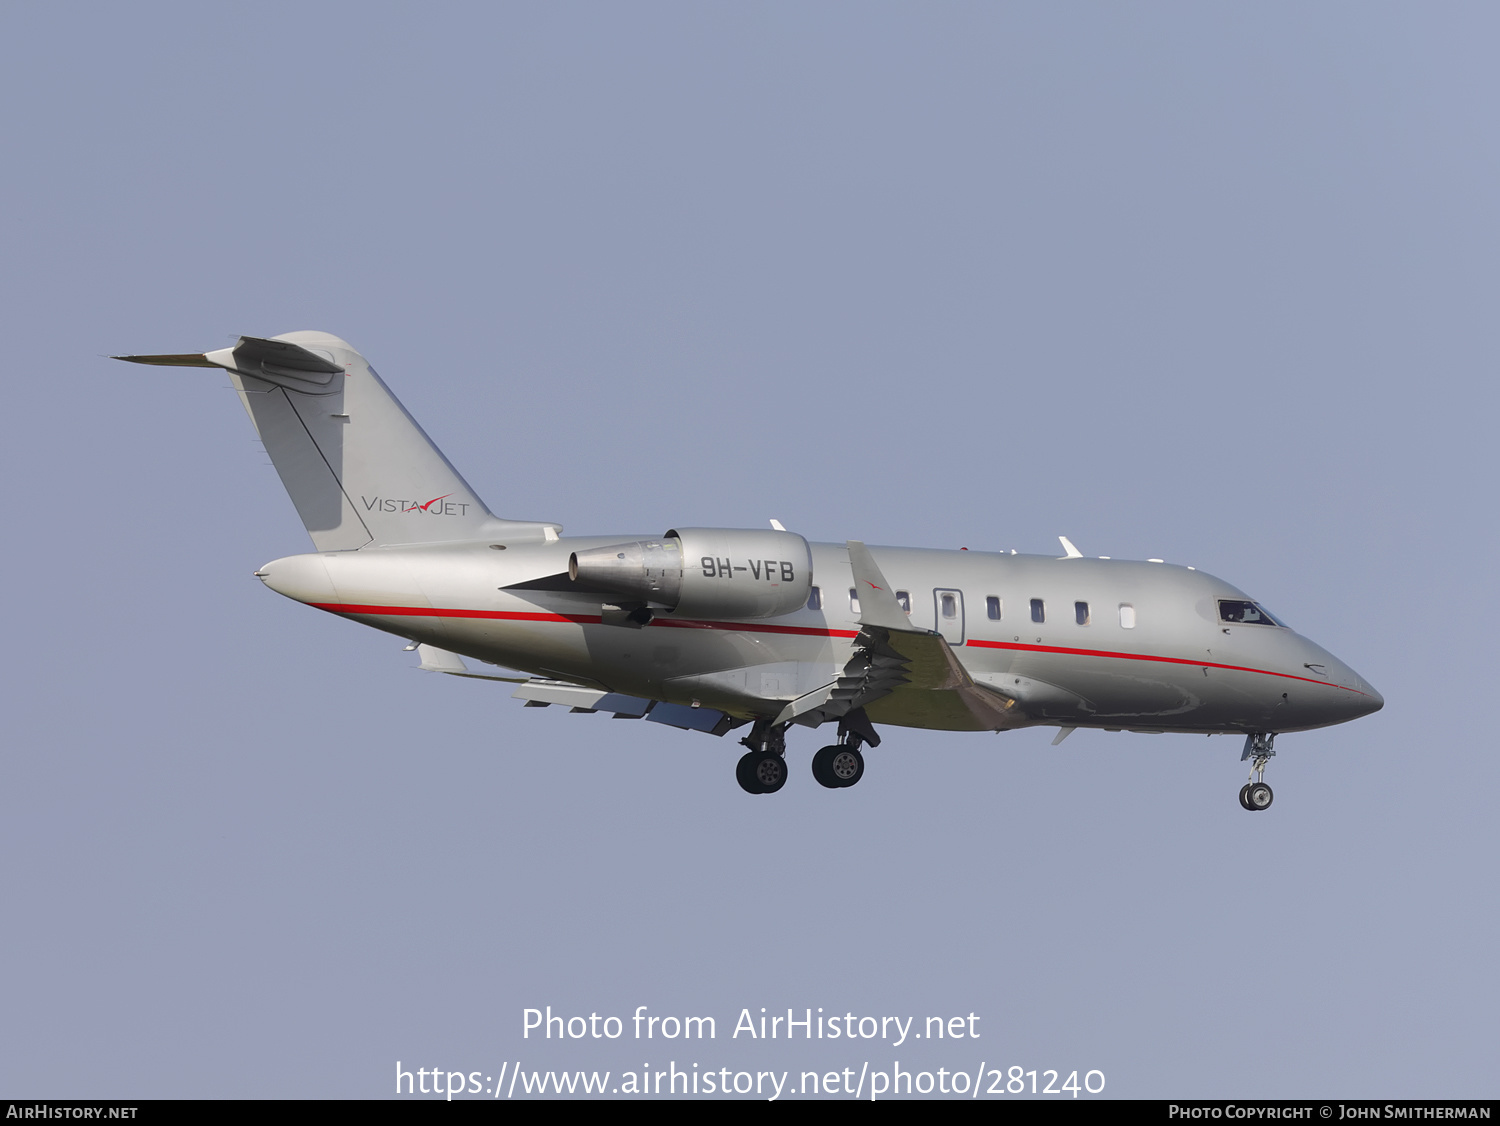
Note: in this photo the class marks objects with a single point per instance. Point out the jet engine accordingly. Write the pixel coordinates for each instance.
(704, 572)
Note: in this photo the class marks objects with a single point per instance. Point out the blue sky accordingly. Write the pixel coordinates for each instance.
(1207, 283)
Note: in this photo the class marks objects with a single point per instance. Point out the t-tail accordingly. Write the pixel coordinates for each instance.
(357, 466)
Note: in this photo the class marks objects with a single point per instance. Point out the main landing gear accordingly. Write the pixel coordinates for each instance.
(762, 769)
(1255, 795)
(842, 765)
(839, 765)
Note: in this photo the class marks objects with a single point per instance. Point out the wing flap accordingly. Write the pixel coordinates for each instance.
(540, 693)
(577, 696)
(901, 674)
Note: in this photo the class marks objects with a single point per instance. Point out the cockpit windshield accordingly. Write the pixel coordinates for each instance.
(1244, 613)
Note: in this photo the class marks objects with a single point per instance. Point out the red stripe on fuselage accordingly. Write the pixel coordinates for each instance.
(1150, 657)
(803, 631)
(576, 619)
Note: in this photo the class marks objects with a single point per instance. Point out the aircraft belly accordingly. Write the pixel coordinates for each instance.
(939, 711)
(747, 675)
(751, 690)
(642, 660)
(1145, 694)
(540, 647)
(1243, 700)
(1109, 692)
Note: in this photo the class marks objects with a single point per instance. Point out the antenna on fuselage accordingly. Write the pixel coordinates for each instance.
(1073, 552)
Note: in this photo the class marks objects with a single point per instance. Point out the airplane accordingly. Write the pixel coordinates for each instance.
(716, 629)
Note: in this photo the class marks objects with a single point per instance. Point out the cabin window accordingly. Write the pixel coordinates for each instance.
(1245, 613)
(1081, 613)
(815, 599)
(904, 599)
(1127, 616)
(853, 601)
(949, 606)
(1038, 611)
(992, 607)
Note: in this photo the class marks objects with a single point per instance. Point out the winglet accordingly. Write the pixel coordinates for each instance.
(1073, 552)
(877, 602)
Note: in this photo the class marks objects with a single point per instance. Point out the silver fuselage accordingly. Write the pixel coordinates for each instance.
(1121, 645)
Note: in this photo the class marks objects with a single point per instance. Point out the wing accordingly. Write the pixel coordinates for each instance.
(900, 674)
(539, 693)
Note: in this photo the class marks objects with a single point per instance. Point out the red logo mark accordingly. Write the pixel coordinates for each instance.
(434, 500)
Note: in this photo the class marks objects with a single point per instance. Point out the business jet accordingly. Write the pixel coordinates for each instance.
(717, 629)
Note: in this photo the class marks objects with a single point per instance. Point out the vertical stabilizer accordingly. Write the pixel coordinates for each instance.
(358, 467)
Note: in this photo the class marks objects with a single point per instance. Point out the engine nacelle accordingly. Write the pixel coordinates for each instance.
(704, 572)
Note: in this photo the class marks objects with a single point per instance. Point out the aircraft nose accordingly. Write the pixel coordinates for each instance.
(1370, 701)
(1359, 697)
(1354, 697)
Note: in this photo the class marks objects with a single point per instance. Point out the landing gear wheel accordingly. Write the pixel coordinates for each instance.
(761, 772)
(846, 765)
(1245, 797)
(770, 772)
(744, 773)
(822, 767)
(838, 766)
(1258, 796)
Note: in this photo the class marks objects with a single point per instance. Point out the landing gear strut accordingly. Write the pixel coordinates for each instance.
(762, 769)
(1255, 795)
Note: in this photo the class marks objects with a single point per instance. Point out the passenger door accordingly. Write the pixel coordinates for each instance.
(948, 606)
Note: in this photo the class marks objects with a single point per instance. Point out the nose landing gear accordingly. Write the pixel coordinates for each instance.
(1255, 795)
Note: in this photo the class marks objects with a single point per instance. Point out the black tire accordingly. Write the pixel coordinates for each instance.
(769, 771)
(1245, 797)
(744, 773)
(1259, 796)
(846, 765)
(822, 768)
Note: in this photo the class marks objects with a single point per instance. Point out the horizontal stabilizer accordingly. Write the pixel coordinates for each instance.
(255, 356)
(184, 360)
(254, 352)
